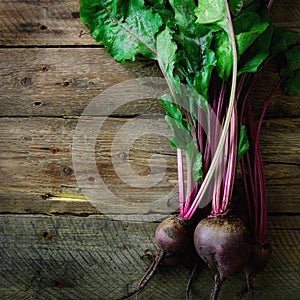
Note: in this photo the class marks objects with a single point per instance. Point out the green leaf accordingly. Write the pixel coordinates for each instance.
(126, 28)
(237, 5)
(243, 145)
(181, 132)
(197, 168)
(166, 57)
(292, 60)
(182, 138)
(248, 26)
(212, 13)
(156, 3)
(291, 84)
(191, 40)
(206, 65)
(257, 53)
(282, 39)
(162, 8)
(194, 102)
(184, 13)
(223, 49)
(171, 108)
(179, 127)
(195, 159)
(203, 77)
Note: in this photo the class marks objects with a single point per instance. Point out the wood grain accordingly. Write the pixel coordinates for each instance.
(37, 160)
(98, 258)
(44, 23)
(40, 23)
(56, 243)
(61, 82)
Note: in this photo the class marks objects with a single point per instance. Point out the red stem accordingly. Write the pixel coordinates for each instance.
(259, 171)
(180, 181)
(231, 165)
(247, 192)
(199, 199)
(270, 4)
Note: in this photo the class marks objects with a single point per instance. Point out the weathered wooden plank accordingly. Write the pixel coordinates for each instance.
(98, 258)
(281, 199)
(37, 167)
(38, 23)
(70, 86)
(95, 257)
(57, 23)
(283, 12)
(62, 82)
(279, 138)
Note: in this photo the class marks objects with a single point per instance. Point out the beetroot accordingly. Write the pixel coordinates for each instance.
(258, 260)
(210, 59)
(224, 244)
(173, 235)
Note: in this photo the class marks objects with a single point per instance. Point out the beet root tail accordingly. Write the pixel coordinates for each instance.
(248, 287)
(217, 287)
(147, 276)
(189, 283)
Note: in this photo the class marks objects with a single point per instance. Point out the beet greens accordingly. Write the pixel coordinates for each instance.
(211, 53)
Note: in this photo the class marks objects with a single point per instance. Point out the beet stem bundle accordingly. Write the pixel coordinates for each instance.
(211, 54)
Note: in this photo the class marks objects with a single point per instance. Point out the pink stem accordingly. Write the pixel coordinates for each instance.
(270, 4)
(247, 192)
(180, 181)
(200, 130)
(216, 207)
(262, 116)
(261, 234)
(259, 171)
(230, 173)
(190, 182)
(214, 163)
(217, 190)
(252, 174)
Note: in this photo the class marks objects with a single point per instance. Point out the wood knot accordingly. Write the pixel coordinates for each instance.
(91, 179)
(55, 149)
(57, 283)
(43, 27)
(123, 156)
(26, 81)
(66, 83)
(67, 171)
(75, 14)
(46, 235)
(45, 68)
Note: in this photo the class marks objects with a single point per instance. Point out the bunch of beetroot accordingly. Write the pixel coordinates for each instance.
(211, 53)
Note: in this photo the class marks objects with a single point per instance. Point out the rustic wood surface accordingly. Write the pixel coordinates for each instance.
(38, 167)
(50, 22)
(55, 243)
(98, 258)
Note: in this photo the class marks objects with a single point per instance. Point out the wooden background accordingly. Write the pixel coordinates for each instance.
(54, 244)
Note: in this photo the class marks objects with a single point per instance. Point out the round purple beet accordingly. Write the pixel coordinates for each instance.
(173, 235)
(258, 259)
(223, 243)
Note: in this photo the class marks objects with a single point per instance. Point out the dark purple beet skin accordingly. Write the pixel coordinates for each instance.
(173, 235)
(224, 244)
(258, 259)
